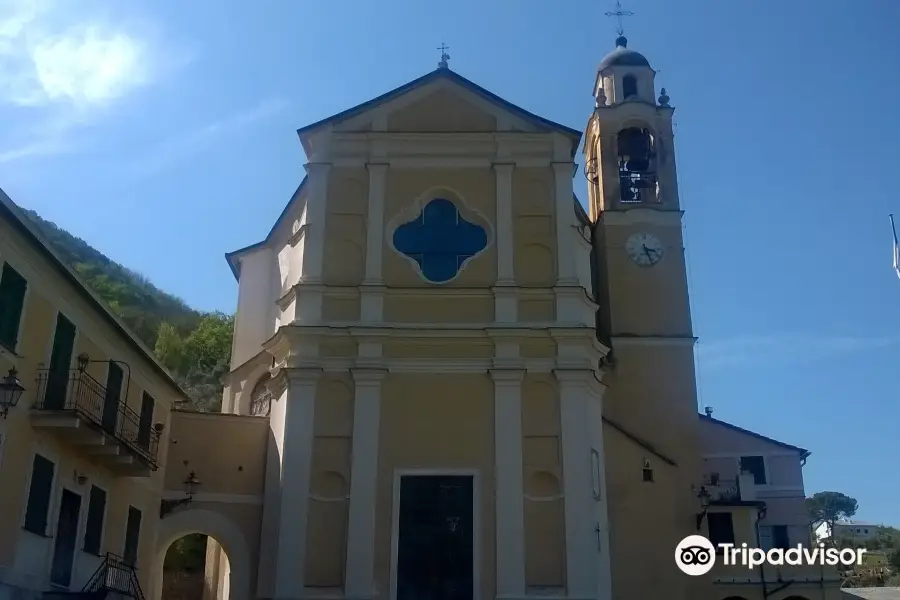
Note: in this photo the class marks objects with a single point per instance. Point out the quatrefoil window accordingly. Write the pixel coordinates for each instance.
(440, 240)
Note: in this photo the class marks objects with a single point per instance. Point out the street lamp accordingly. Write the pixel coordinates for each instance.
(10, 391)
(190, 486)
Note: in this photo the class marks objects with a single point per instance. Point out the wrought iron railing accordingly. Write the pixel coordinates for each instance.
(76, 391)
(723, 490)
(115, 574)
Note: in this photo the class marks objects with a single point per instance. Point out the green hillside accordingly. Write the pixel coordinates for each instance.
(195, 346)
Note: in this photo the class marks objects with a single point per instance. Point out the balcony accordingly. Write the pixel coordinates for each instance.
(740, 491)
(75, 406)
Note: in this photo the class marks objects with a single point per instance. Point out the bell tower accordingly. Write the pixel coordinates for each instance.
(644, 317)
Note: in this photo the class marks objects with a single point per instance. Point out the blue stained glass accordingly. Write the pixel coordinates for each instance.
(440, 240)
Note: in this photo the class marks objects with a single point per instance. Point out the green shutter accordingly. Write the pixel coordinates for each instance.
(12, 301)
(132, 536)
(39, 493)
(146, 422)
(93, 530)
(60, 362)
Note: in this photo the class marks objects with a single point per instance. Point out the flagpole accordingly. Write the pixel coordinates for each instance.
(896, 247)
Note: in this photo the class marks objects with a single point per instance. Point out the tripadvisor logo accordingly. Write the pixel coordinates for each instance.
(696, 555)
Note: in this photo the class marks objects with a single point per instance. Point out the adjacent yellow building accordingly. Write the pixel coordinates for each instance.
(448, 378)
(81, 452)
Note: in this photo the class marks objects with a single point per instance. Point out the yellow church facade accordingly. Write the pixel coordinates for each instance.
(449, 380)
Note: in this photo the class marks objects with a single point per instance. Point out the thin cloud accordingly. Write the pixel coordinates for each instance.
(49, 55)
(62, 66)
(48, 147)
(192, 142)
(751, 351)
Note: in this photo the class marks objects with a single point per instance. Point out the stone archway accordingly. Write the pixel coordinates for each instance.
(217, 527)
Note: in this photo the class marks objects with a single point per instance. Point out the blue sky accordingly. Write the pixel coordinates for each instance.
(178, 119)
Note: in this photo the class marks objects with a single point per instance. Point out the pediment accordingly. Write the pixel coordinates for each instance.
(441, 101)
(439, 107)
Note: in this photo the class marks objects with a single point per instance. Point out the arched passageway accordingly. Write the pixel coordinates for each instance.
(217, 527)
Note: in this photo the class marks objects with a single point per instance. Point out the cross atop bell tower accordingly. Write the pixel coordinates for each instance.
(619, 14)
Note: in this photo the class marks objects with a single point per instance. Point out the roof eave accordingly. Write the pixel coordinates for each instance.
(803, 452)
(233, 257)
(19, 221)
(304, 133)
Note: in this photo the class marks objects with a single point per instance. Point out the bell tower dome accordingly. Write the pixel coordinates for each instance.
(624, 76)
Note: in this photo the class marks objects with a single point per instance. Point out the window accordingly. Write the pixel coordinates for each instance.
(721, 528)
(774, 536)
(132, 536)
(93, 530)
(440, 240)
(629, 87)
(39, 493)
(146, 420)
(261, 398)
(12, 302)
(648, 475)
(596, 473)
(755, 465)
(865, 531)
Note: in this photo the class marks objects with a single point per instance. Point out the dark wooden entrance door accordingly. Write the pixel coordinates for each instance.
(435, 538)
(60, 362)
(66, 536)
(113, 397)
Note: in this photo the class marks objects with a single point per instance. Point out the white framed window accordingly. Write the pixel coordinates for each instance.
(756, 466)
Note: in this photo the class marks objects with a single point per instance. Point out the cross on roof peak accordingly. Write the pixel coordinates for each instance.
(444, 56)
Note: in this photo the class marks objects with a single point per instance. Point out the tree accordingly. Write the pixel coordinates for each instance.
(199, 360)
(830, 507)
(894, 559)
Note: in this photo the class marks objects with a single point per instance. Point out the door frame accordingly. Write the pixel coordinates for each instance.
(475, 474)
(79, 534)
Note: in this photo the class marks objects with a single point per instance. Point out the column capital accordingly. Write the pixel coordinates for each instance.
(297, 376)
(315, 168)
(564, 168)
(368, 375)
(575, 376)
(507, 376)
(503, 168)
(377, 168)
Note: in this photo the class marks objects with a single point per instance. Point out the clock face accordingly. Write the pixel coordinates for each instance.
(644, 249)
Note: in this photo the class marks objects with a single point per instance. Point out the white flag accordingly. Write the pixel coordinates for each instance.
(896, 248)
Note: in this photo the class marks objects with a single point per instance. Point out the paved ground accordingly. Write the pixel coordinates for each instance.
(876, 593)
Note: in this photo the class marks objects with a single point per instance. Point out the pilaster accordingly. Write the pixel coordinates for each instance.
(297, 412)
(587, 538)
(314, 234)
(505, 301)
(510, 527)
(359, 575)
(372, 290)
(375, 221)
(567, 273)
(505, 266)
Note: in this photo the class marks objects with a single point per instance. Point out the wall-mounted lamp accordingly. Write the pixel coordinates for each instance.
(80, 478)
(190, 486)
(159, 427)
(704, 497)
(10, 391)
